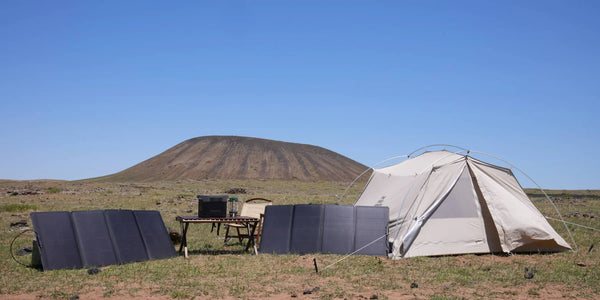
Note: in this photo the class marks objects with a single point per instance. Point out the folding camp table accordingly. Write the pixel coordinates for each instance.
(184, 222)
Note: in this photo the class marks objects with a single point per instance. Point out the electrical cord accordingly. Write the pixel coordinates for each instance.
(11, 247)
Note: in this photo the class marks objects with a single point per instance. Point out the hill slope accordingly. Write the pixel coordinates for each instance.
(233, 157)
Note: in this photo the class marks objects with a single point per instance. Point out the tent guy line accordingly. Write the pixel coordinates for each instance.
(352, 253)
(571, 223)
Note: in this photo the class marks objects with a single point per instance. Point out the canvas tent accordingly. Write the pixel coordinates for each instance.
(443, 203)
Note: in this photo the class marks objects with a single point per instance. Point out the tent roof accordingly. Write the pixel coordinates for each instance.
(426, 160)
(421, 163)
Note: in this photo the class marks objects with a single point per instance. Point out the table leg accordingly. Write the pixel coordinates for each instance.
(183, 245)
(254, 238)
(218, 225)
(182, 236)
(251, 228)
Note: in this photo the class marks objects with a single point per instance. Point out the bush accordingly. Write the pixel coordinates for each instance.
(53, 190)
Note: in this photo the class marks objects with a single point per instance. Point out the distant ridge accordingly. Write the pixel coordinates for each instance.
(235, 157)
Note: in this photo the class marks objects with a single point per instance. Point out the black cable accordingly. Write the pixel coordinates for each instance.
(11, 245)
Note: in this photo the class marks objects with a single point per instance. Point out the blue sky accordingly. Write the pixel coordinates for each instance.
(91, 88)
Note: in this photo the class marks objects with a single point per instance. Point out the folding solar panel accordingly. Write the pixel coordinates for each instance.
(95, 245)
(338, 229)
(126, 237)
(154, 234)
(306, 229)
(277, 229)
(371, 224)
(56, 239)
(69, 240)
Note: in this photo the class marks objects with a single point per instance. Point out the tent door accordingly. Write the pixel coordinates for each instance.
(456, 226)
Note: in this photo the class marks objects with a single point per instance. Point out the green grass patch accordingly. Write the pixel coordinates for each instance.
(53, 190)
(186, 196)
(17, 207)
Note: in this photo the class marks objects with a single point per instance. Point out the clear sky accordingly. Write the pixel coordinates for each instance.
(89, 88)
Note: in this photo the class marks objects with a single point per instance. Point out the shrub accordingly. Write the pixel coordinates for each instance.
(53, 190)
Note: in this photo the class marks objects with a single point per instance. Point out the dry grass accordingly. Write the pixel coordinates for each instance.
(215, 270)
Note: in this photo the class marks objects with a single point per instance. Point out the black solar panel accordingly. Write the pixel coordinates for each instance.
(306, 229)
(154, 233)
(56, 239)
(100, 237)
(371, 223)
(338, 229)
(95, 245)
(277, 227)
(126, 236)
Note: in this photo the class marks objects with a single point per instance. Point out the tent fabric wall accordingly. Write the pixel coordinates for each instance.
(444, 203)
(518, 220)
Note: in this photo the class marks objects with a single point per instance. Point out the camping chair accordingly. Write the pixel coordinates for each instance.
(254, 208)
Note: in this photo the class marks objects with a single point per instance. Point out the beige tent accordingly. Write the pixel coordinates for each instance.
(445, 203)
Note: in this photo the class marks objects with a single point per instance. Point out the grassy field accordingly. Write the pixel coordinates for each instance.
(215, 270)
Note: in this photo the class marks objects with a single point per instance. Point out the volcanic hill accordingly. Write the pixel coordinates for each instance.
(234, 157)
